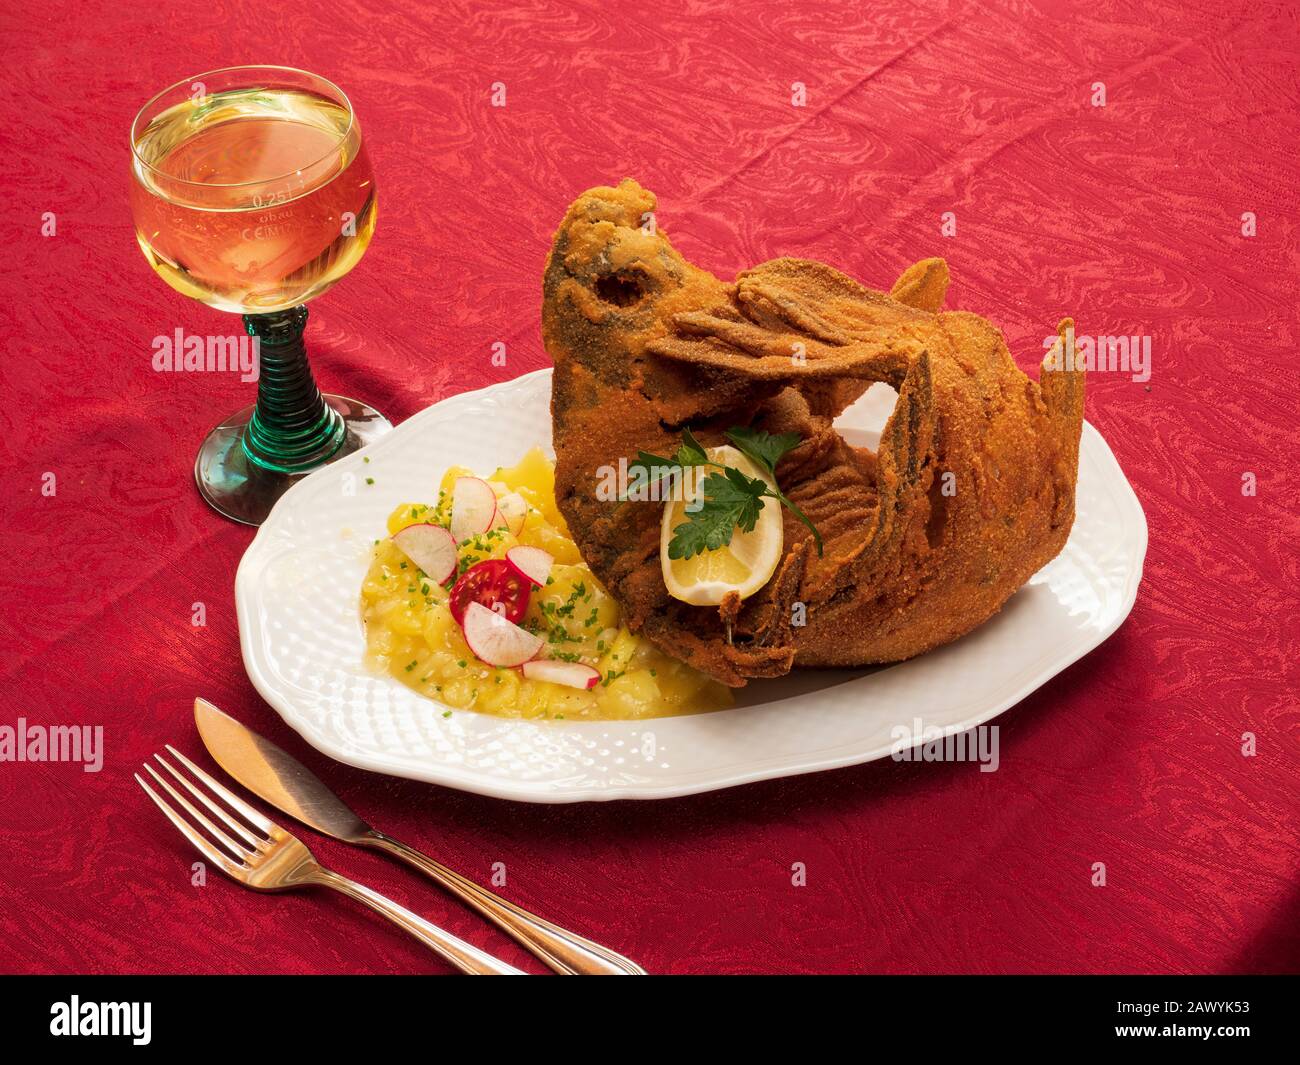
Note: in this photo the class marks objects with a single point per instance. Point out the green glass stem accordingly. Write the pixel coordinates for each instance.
(292, 428)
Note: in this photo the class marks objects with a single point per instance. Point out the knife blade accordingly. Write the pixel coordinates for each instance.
(274, 775)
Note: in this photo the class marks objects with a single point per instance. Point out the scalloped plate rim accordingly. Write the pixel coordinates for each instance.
(683, 783)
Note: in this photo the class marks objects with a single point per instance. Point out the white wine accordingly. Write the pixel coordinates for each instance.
(253, 200)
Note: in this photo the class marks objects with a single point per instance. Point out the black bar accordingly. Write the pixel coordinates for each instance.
(223, 1015)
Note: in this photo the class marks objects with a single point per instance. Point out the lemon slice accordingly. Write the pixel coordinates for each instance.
(742, 566)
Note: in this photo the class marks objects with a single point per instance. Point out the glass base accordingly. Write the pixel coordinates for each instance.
(246, 492)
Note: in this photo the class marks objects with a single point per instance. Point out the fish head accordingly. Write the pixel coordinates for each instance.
(612, 287)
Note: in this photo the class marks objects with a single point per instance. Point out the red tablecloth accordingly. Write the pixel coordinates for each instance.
(1128, 216)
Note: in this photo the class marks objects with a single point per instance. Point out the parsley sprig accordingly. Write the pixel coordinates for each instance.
(729, 498)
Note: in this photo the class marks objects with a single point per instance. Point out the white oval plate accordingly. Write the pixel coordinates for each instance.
(297, 595)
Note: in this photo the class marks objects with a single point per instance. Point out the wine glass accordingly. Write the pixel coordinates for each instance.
(252, 192)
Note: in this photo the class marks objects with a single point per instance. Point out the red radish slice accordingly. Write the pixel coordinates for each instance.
(495, 640)
(532, 562)
(514, 508)
(570, 674)
(430, 547)
(473, 506)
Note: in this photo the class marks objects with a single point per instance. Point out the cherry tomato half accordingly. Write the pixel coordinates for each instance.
(494, 583)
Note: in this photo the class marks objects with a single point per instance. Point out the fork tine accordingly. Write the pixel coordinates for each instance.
(204, 846)
(242, 808)
(241, 830)
(237, 849)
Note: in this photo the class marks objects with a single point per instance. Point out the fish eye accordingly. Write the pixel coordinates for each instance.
(622, 288)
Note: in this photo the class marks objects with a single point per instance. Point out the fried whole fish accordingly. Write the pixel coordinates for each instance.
(970, 491)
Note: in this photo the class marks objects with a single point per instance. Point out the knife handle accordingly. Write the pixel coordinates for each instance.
(565, 952)
(463, 956)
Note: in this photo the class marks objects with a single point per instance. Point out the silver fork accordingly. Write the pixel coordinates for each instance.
(277, 861)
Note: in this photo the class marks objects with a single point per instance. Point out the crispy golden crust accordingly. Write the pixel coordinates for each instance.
(969, 493)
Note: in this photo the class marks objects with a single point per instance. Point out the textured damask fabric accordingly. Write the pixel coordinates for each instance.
(1130, 165)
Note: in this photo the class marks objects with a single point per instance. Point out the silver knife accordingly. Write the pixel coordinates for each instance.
(289, 786)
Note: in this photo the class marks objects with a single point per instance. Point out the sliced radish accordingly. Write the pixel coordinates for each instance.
(570, 674)
(514, 508)
(430, 547)
(495, 640)
(532, 562)
(473, 506)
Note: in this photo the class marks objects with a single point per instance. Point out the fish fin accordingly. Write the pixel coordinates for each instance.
(922, 285)
(1061, 382)
(790, 321)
